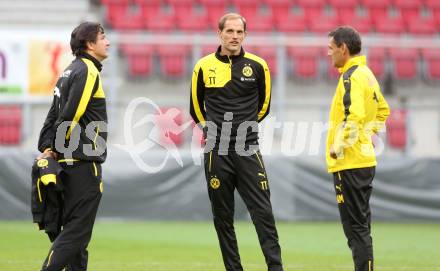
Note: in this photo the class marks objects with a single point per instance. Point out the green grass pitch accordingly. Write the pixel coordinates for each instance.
(184, 246)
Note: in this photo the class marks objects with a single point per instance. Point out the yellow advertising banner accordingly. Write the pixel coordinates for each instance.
(47, 60)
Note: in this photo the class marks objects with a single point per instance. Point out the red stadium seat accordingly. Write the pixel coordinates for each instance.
(114, 10)
(362, 24)
(311, 8)
(305, 61)
(113, 2)
(432, 4)
(258, 20)
(376, 61)
(193, 23)
(421, 25)
(291, 23)
(408, 8)
(173, 60)
(397, 129)
(192, 20)
(377, 9)
(149, 8)
(434, 7)
(211, 48)
(215, 9)
(279, 8)
(390, 25)
(123, 18)
(323, 23)
(140, 59)
(246, 8)
(259, 23)
(161, 21)
(349, 16)
(269, 54)
(10, 125)
(405, 62)
(169, 133)
(432, 61)
(181, 7)
(344, 7)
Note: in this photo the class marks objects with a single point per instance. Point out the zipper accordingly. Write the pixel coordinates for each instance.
(339, 176)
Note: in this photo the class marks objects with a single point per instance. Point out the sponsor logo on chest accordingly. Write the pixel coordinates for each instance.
(247, 72)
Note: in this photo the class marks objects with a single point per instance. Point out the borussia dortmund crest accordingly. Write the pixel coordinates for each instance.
(215, 183)
(247, 71)
(42, 163)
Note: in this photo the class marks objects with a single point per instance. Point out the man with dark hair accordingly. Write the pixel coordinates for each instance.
(358, 111)
(78, 119)
(230, 94)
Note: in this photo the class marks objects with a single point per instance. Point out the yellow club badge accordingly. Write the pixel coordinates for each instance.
(42, 163)
(214, 182)
(247, 71)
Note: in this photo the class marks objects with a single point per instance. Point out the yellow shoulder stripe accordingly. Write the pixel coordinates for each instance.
(100, 92)
(92, 74)
(266, 80)
(194, 97)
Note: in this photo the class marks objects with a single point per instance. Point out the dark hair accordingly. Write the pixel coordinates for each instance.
(349, 36)
(83, 33)
(230, 16)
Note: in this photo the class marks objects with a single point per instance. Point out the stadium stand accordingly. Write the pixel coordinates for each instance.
(140, 59)
(305, 61)
(51, 13)
(376, 61)
(269, 54)
(388, 16)
(303, 20)
(10, 125)
(432, 63)
(302, 17)
(396, 129)
(405, 62)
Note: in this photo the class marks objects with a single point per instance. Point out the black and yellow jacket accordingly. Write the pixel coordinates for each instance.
(79, 98)
(237, 84)
(357, 112)
(47, 196)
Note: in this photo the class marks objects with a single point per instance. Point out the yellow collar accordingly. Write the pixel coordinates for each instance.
(357, 60)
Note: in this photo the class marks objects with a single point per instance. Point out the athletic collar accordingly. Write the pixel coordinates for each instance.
(98, 64)
(226, 59)
(357, 60)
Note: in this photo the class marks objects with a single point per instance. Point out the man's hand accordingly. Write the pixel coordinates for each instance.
(333, 153)
(47, 153)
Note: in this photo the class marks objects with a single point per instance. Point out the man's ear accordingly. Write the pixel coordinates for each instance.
(89, 45)
(345, 49)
